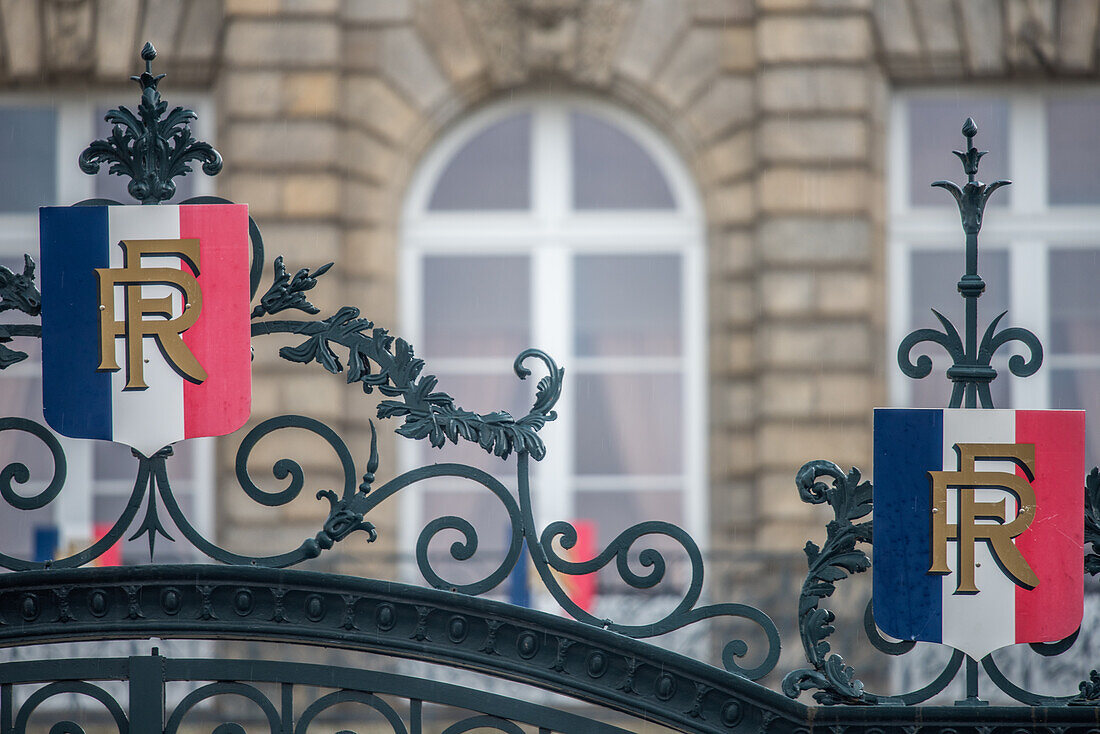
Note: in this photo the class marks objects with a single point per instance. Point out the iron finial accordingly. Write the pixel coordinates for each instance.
(971, 372)
(151, 147)
(146, 79)
(972, 196)
(972, 155)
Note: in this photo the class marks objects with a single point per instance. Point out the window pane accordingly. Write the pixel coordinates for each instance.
(480, 393)
(1073, 147)
(628, 424)
(627, 305)
(611, 171)
(613, 511)
(492, 171)
(28, 534)
(1074, 317)
(28, 155)
(21, 396)
(936, 124)
(21, 529)
(934, 278)
(108, 186)
(108, 508)
(1080, 390)
(933, 284)
(115, 462)
(476, 306)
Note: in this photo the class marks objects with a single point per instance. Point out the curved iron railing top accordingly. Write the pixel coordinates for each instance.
(155, 146)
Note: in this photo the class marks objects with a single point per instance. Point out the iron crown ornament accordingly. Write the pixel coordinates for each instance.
(150, 150)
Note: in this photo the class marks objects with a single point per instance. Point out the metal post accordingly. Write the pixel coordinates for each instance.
(971, 285)
(971, 371)
(7, 714)
(286, 694)
(147, 693)
(971, 685)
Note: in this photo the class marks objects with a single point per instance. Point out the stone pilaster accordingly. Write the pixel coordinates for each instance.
(817, 235)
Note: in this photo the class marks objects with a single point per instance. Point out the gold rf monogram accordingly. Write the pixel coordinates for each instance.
(967, 531)
(133, 327)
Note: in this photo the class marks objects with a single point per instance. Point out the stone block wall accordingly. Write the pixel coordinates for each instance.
(817, 238)
(777, 106)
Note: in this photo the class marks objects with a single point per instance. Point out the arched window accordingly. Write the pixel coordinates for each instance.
(570, 226)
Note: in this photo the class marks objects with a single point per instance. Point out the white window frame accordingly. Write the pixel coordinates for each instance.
(1027, 230)
(551, 233)
(76, 128)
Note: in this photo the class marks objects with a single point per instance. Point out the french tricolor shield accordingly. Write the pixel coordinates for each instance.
(145, 322)
(979, 526)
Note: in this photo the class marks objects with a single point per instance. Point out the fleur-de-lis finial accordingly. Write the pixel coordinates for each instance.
(151, 148)
(971, 372)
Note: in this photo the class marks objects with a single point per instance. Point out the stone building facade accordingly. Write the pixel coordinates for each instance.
(779, 108)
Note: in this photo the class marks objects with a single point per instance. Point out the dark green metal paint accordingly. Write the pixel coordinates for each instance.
(149, 147)
(597, 660)
(971, 371)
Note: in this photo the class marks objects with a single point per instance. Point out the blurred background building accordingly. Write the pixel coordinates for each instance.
(714, 213)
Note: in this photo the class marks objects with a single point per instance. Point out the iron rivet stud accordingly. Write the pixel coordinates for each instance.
(731, 714)
(385, 617)
(527, 645)
(457, 629)
(596, 664)
(171, 600)
(315, 607)
(664, 687)
(97, 603)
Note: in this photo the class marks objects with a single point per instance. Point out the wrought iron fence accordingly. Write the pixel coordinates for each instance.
(599, 655)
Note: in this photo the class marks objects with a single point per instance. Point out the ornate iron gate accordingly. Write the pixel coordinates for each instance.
(600, 661)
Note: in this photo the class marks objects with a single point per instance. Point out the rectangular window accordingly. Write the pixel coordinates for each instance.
(1039, 252)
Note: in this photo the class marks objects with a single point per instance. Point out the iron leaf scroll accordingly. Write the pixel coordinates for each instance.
(427, 413)
(850, 500)
(18, 292)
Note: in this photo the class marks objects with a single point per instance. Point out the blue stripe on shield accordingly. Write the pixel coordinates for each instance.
(907, 600)
(76, 398)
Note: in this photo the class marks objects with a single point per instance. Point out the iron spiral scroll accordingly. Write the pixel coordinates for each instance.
(154, 147)
(349, 509)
